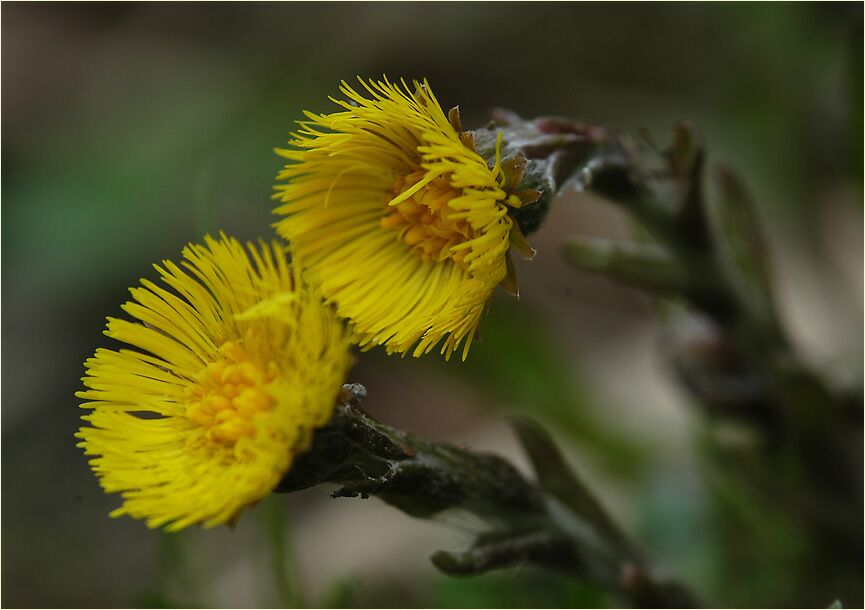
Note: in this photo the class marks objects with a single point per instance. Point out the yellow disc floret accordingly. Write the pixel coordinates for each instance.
(229, 393)
(425, 222)
(226, 371)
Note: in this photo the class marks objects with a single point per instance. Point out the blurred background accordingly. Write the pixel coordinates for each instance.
(130, 129)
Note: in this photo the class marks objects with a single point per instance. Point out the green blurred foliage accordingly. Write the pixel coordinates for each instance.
(541, 382)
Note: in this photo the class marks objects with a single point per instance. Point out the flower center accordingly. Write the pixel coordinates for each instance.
(229, 393)
(424, 220)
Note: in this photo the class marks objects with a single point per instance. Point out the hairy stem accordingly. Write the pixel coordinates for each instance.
(554, 523)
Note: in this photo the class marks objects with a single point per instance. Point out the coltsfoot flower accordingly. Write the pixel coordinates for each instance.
(226, 372)
(398, 220)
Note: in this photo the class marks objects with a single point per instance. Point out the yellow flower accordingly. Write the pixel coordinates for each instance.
(226, 372)
(394, 215)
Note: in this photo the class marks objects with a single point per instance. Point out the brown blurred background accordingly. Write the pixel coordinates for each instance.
(130, 129)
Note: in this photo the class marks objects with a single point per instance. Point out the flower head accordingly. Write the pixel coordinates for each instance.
(394, 215)
(227, 371)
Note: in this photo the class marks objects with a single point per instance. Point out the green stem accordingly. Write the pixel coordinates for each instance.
(646, 267)
(281, 563)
